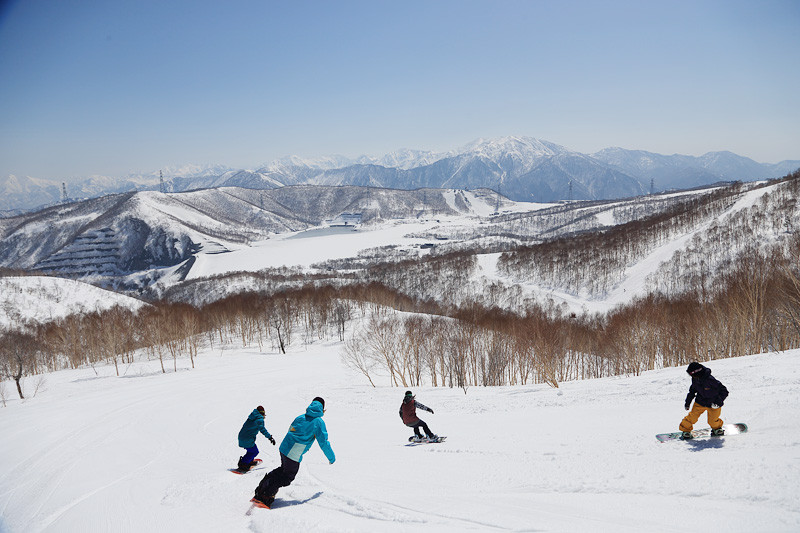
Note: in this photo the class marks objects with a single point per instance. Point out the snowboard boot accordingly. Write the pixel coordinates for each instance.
(262, 501)
(717, 432)
(242, 467)
(687, 435)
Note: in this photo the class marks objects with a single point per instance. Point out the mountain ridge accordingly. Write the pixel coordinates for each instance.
(521, 168)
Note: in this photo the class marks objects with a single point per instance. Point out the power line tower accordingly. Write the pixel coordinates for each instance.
(570, 191)
(161, 185)
(64, 196)
(652, 186)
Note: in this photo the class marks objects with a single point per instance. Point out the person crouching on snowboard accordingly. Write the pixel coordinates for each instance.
(408, 413)
(247, 438)
(301, 435)
(708, 395)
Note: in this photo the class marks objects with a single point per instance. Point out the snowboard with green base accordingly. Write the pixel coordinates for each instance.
(730, 429)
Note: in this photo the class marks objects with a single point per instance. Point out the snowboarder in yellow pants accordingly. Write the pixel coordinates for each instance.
(706, 391)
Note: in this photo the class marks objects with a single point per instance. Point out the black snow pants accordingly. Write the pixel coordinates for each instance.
(280, 477)
(420, 424)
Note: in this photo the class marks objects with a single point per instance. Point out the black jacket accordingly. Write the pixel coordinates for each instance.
(707, 389)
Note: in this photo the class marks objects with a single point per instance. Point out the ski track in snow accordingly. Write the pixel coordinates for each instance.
(151, 451)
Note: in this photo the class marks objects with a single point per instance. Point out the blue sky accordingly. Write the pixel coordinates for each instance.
(116, 86)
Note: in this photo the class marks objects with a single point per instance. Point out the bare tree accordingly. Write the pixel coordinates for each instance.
(356, 356)
(17, 357)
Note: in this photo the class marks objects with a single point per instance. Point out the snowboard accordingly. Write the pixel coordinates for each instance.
(256, 503)
(259, 504)
(413, 441)
(254, 467)
(730, 429)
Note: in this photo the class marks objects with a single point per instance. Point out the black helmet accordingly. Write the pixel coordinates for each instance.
(320, 400)
(694, 368)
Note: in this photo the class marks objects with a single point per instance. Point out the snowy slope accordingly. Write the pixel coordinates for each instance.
(149, 452)
(43, 299)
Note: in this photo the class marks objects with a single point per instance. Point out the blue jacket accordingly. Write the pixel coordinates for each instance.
(302, 433)
(251, 427)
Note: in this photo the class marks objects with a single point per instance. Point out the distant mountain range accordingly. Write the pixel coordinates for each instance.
(520, 168)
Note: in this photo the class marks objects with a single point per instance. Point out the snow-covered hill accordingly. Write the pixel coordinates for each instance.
(38, 299)
(149, 452)
(128, 233)
(136, 241)
(697, 245)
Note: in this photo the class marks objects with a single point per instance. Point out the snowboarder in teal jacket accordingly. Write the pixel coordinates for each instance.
(247, 438)
(303, 431)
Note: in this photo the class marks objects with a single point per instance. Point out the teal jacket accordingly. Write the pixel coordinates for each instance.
(251, 427)
(302, 433)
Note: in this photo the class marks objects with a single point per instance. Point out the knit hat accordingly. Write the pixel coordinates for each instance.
(260, 409)
(320, 400)
(694, 368)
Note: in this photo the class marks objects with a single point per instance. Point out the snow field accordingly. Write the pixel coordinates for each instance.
(150, 452)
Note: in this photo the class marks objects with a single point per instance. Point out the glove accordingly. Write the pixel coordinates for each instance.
(431, 411)
(688, 404)
(272, 440)
(715, 406)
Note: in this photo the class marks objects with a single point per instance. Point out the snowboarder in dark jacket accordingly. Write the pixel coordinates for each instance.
(247, 438)
(708, 395)
(408, 413)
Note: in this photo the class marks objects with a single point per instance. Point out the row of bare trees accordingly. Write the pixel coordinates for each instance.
(757, 310)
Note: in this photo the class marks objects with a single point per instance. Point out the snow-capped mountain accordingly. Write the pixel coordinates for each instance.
(22, 192)
(404, 159)
(521, 168)
(684, 171)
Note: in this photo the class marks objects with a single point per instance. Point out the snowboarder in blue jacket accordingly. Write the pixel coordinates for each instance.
(305, 429)
(247, 438)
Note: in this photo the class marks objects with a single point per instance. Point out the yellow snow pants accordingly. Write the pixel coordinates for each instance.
(691, 419)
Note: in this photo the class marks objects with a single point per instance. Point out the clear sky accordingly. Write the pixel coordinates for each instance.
(117, 86)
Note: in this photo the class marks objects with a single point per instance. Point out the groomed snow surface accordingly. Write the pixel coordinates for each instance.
(150, 451)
